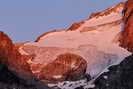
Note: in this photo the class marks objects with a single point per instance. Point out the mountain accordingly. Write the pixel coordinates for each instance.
(85, 50)
(95, 39)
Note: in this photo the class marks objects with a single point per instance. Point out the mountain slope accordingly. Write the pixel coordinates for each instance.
(94, 39)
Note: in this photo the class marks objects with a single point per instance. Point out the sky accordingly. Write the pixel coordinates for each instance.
(25, 20)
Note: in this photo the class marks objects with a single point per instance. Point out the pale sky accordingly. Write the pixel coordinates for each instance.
(24, 20)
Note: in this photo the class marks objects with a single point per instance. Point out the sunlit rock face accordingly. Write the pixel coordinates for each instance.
(65, 67)
(10, 56)
(126, 39)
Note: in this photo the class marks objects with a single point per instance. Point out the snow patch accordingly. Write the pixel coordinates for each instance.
(105, 77)
(72, 84)
(57, 76)
(22, 51)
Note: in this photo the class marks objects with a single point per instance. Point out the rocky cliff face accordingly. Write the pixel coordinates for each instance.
(10, 56)
(66, 67)
(126, 39)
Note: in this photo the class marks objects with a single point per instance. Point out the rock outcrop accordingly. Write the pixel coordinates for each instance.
(75, 26)
(66, 66)
(10, 56)
(126, 39)
(108, 11)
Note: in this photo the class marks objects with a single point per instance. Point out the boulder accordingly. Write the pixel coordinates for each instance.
(66, 66)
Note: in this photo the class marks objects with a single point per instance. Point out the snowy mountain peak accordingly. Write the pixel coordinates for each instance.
(93, 39)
